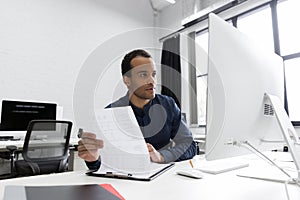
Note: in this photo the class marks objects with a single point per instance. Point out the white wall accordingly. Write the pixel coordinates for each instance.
(171, 16)
(44, 43)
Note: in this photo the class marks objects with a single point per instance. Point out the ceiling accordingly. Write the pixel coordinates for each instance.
(159, 5)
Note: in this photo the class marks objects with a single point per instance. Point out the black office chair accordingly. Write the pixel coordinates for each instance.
(45, 149)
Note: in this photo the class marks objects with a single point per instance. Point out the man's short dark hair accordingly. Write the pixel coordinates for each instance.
(126, 66)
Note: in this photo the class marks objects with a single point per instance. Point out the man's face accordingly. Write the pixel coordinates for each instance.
(142, 81)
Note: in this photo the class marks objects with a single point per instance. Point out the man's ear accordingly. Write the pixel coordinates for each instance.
(126, 80)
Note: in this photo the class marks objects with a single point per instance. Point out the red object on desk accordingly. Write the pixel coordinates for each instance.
(111, 189)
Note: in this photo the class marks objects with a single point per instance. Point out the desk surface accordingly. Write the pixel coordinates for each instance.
(172, 186)
(19, 143)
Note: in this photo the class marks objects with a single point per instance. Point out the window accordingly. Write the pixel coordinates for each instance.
(289, 40)
(288, 18)
(261, 24)
(201, 63)
(258, 25)
(202, 40)
(292, 71)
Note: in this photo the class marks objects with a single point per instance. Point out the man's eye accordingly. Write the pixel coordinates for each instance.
(143, 75)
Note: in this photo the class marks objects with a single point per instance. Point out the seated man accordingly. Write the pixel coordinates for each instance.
(167, 135)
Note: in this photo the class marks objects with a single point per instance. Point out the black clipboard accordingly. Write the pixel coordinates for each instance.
(132, 176)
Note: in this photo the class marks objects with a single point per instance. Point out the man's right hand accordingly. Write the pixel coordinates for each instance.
(88, 147)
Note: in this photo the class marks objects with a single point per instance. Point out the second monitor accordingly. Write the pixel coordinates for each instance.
(16, 115)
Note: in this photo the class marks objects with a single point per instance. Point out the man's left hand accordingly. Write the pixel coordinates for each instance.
(155, 156)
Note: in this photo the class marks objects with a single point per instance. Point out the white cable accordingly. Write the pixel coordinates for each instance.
(263, 156)
(286, 188)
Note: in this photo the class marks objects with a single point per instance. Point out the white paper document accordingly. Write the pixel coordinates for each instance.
(125, 149)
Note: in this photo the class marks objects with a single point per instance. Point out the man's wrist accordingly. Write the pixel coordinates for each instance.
(162, 159)
(93, 165)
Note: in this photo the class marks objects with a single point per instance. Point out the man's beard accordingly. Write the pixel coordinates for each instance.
(143, 95)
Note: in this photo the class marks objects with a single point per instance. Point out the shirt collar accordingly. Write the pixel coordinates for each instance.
(146, 108)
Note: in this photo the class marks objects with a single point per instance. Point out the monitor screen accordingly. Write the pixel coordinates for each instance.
(16, 115)
(240, 72)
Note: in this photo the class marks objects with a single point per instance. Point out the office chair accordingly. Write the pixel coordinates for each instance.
(45, 149)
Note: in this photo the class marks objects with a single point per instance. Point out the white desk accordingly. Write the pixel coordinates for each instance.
(172, 186)
(19, 143)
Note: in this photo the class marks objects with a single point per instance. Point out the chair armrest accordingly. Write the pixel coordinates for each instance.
(11, 148)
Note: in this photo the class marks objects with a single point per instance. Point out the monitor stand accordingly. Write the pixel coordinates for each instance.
(289, 134)
(288, 131)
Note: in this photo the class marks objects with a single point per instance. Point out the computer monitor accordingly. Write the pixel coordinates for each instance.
(240, 72)
(16, 115)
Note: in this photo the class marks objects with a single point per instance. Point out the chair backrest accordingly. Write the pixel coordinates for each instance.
(46, 145)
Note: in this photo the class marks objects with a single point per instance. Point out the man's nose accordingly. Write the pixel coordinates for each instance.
(151, 79)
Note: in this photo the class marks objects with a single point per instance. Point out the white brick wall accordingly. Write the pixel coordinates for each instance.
(43, 44)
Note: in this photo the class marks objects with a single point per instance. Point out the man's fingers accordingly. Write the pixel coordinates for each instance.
(155, 156)
(88, 155)
(84, 151)
(150, 147)
(87, 147)
(88, 135)
(89, 141)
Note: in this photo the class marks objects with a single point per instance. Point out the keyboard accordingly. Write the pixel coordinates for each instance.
(221, 166)
(8, 138)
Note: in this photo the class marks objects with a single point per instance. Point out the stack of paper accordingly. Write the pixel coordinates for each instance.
(125, 153)
(125, 149)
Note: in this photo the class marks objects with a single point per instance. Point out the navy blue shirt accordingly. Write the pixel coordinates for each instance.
(163, 126)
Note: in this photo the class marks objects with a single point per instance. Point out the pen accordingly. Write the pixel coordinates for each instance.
(191, 163)
(80, 131)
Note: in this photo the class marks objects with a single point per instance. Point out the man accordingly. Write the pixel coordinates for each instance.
(165, 131)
